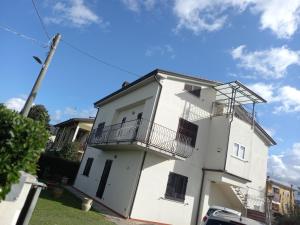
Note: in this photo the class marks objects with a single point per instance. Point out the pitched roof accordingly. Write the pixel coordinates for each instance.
(75, 120)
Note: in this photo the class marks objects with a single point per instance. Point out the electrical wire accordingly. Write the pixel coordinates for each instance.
(40, 19)
(39, 43)
(98, 59)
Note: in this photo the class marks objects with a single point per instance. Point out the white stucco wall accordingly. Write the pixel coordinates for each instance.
(121, 179)
(218, 138)
(140, 99)
(150, 203)
(240, 133)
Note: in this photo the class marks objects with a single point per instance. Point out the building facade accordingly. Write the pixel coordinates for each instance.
(166, 147)
(283, 198)
(72, 130)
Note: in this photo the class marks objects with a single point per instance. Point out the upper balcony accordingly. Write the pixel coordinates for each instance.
(144, 135)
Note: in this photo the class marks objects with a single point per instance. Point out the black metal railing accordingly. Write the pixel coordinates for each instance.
(143, 131)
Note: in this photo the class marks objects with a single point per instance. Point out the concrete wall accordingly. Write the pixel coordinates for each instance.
(122, 177)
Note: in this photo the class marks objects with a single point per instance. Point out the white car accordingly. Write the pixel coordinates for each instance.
(220, 218)
(224, 210)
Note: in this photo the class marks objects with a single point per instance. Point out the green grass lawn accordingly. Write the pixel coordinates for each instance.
(64, 211)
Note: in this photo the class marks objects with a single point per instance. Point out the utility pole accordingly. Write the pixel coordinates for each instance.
(41, 76)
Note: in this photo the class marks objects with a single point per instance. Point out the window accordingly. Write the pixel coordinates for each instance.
(99, 129)
(187, 129)
(176, 187)
(139, 116)
(239, 150)
(88, 166)
(123, 121)
(194, 90)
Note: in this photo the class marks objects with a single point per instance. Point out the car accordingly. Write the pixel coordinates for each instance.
(224, 210)
(220, 217)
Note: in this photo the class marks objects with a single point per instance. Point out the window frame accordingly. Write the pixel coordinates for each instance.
(181, 130)
(236, 152)
(88, 166)
(176, 187)
(193, 90)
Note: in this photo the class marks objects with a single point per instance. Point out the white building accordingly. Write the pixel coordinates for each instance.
(167, 146)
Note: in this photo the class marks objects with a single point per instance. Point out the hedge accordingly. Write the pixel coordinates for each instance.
(21, 143)
(54, 168)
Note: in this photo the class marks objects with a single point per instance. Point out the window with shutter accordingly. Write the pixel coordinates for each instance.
(176, 187)
(88, 166)
(194, 90)
(187, 130)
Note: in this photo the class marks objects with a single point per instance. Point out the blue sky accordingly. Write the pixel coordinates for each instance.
(254, 41)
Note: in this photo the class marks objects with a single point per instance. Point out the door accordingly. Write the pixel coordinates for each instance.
(104, 178)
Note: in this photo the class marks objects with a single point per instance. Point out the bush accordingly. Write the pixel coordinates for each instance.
(69, 151)
(54, 168)
(21, 142)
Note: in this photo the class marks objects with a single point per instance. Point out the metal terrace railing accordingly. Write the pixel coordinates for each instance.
(155, 135)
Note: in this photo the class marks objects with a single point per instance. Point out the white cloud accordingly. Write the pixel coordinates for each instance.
(210, 15)
(70, 112)
(285, 98)
(164, 50)
(289, 98)
(16, 104)
(271, 63)
(74, 13)
(205, 15)
(285, 167)
(137, 5)
(264, 90)
(280, 17)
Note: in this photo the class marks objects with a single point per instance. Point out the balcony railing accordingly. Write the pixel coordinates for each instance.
(158, 137)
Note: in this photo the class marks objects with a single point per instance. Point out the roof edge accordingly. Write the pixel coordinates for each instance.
(153, 73)
(72, 120)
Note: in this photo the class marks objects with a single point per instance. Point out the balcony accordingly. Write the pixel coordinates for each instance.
(142, 134)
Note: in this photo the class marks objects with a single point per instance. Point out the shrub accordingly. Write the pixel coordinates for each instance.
(54, 168)
(69, 151)
(21, 142)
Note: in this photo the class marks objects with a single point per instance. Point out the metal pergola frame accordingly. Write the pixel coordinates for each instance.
(235, 93)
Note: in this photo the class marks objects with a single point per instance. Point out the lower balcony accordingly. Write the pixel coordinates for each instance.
(144, 135)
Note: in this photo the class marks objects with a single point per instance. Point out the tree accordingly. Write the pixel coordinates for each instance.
(21, 143)
(40, 113)
(69, 151)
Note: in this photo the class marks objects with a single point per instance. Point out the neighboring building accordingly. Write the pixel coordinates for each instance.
(297, 196)
(283, 201)
(166, 147)
(72, 130)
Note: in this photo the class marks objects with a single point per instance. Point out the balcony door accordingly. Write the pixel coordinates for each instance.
(104, 178)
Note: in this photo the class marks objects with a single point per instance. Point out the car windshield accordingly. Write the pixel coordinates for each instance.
(218, 222)
(212, 210)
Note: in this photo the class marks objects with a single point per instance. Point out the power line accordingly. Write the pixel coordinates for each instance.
(99, 60)
(8, 29)
(40, 19)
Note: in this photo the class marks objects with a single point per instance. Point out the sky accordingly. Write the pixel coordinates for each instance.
(253, 41)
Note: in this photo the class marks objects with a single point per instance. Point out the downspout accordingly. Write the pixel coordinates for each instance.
(147, 144)
(200, 197)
